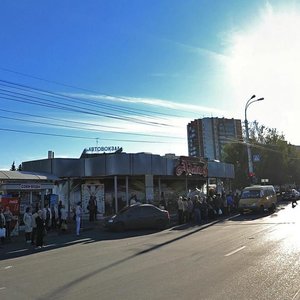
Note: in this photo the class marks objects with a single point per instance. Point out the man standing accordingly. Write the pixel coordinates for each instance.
(2, 226)
(78, 213)
(8, 219)
(92, 208)
(180, 210)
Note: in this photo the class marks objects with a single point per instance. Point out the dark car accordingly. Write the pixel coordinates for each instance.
(139, 216)
(291, 195)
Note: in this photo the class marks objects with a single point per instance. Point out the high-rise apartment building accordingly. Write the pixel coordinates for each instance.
(207, 136)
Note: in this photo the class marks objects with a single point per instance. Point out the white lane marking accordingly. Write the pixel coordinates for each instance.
(2, 288)
(8, 267)
(76, 241)
(235, 251)
(17, 251)
(298, 292)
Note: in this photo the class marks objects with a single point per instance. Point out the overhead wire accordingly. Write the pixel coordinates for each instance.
(29, 94)
(81, 137)
(19, 97)
(85, 129)
(88, 102)
(89, 91)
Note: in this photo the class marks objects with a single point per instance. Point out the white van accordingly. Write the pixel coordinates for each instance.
(258, 198)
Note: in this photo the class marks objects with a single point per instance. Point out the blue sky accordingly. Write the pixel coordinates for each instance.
(133, 73)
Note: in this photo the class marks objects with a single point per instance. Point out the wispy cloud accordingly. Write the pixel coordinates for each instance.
(199, 50)
(153, 102)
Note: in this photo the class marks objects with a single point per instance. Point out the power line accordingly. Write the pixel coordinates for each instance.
(80, 128)
(86, 90)
(82, 137)
(62, 106)
(88, 102)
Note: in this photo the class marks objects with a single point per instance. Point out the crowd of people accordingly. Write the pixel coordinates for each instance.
(39, 221)
(6, 218)
(199, 209)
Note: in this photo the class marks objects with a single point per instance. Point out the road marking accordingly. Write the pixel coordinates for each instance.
(8, 267)
(235, 251)
(17, 251)
(296, 294)
(2, 288)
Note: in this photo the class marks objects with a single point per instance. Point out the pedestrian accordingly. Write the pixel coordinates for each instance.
(92, 207)
(78, 213)
(294, 199)
(27, 219)
(54, 216)
(8, 219)
(197, 210)
(2, 226)
(133, 199)
(40, 229)
(204, 209)
(64, 216)
(163, 203)
(59, 213)
(180, 210)
(190, 209)
(218, 204)
(211, 206)
(224, 204)
(230, 203)
(185, 210)
(34, 227)
(47, 216)
(236, 200)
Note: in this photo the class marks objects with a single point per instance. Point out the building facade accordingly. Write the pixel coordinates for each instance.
(116, 177)
(208, 136)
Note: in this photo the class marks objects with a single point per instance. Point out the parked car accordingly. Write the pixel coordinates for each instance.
(292, 194)
(139, 216)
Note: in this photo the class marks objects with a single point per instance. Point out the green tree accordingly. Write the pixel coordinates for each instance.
(236, 154)
(278, 161)
(13, 167)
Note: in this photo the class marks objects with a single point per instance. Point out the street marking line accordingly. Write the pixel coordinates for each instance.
(298, 292)
(2, 288)
(235, 251)
(17, 251)
(8, 267)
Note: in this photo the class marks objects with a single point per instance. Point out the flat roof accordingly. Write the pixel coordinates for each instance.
(25, 175)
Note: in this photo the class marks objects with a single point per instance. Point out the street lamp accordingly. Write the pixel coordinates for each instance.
(248, 103)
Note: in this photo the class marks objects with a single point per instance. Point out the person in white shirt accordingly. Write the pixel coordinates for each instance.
(78, 213)
(180, 209)
(63, 218)
(27, 219)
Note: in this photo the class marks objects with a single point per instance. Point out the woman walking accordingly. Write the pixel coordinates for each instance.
(27, 219)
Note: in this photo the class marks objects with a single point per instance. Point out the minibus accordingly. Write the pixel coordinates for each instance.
(258, 198)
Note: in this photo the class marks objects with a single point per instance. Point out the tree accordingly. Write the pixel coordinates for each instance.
(236, 154)
(13, 167)
(276, 160)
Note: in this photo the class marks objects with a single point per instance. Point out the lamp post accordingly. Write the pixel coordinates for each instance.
(248, 103)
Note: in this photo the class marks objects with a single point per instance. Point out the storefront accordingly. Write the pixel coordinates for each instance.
(19, 190)
(113, 179)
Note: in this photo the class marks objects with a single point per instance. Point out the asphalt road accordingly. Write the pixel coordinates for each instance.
(242, 257)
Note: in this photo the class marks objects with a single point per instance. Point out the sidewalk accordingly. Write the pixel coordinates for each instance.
(18, 242)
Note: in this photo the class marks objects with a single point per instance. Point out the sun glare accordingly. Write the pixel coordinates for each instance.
(264, 59)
